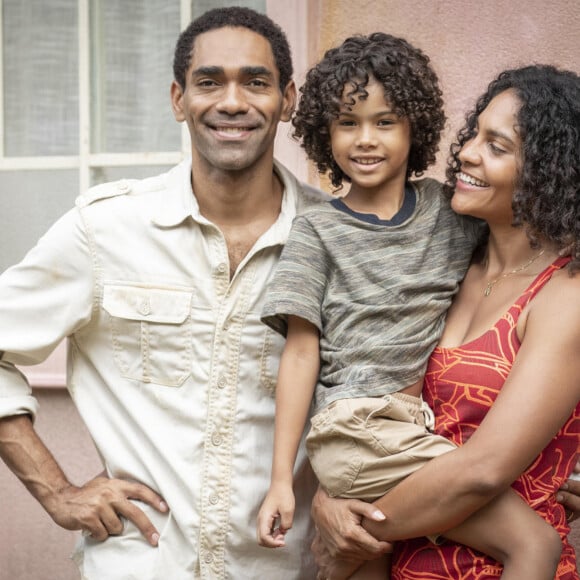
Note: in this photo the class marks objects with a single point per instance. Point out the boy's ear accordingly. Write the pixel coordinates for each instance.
(289, 101)
(177, 101)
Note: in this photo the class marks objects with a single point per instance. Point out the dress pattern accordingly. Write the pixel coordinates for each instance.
(461, 384)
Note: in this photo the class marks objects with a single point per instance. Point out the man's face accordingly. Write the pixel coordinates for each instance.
(232, 102)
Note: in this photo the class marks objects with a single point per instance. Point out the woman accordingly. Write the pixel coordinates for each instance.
(511, 339)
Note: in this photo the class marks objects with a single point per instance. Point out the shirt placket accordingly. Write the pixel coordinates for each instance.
(232, 303)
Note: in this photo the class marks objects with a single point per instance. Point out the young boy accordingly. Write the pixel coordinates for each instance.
(361, 293)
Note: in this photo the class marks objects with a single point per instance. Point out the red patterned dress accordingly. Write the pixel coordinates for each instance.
(461, 385)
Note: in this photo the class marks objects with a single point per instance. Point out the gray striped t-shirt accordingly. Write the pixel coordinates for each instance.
(377, 291)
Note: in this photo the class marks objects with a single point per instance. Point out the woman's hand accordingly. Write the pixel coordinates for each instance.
(569, 495)
(340, 533)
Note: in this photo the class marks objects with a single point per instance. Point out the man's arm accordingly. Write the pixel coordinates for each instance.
(96, 507)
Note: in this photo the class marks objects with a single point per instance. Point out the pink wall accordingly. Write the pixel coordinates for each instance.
(469, 41)
(32, 547)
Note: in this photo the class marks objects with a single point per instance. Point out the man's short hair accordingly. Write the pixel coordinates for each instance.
(233, 17)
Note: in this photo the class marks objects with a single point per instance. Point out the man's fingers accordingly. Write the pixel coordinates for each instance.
(97, 531)
(97, 508)
(140, 520)
(569, 497)
(112, 521)
(143, 493)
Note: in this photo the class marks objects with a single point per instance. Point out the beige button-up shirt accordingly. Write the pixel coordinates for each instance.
(170, 368)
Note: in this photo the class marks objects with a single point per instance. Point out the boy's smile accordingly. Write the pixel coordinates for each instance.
(371, 145)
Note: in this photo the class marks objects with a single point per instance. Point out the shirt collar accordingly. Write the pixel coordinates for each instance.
(180, 202)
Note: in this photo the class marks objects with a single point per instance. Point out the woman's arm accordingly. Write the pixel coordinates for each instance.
(539, 395)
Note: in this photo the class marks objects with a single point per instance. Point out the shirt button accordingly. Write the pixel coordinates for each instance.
(214, 498)
(144, 307)
(123, 187)
(217, 439)
(222, 382)
(208, 557)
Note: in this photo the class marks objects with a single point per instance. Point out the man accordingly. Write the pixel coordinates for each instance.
(158, 285)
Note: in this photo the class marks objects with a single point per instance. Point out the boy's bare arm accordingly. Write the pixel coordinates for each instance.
(297, 378)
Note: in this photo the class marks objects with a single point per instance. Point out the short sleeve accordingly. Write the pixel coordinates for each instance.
(299, 283)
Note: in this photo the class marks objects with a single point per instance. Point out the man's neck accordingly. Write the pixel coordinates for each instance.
(237, 197)
(242, 204)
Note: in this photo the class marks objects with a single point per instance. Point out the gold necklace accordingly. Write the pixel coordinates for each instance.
(489, 286)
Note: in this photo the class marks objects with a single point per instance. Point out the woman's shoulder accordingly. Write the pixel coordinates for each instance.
(555, 310)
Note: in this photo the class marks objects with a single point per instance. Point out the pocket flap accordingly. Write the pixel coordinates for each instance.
(164, 305)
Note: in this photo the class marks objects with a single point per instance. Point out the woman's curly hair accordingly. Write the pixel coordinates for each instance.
(411, 87)
(546, 199)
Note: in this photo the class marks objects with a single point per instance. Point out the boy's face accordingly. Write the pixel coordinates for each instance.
(371, 144)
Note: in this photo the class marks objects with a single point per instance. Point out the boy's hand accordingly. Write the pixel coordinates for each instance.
(278, 505)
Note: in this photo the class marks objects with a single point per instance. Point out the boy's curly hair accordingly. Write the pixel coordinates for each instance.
(411, 87)
(546, 198)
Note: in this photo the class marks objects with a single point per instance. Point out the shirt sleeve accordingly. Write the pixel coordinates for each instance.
(299, 284)
(43, 299)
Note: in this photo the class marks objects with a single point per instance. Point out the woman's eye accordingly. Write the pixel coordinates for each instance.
(496, 150)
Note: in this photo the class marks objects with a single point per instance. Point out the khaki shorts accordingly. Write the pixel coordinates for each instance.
(361, 448)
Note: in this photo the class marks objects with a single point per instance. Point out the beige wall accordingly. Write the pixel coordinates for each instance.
(469, 41)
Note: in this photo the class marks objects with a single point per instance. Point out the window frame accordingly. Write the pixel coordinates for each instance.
(295, 17)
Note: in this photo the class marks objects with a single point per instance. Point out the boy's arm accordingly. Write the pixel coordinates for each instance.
(297, 378)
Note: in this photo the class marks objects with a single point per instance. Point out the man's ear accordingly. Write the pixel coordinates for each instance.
(289, 101)
(177, 101)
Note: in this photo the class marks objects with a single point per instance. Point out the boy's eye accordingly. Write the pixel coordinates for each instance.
(385, 122)
(346, 123)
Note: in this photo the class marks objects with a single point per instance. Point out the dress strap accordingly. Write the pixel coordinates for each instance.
(541, 279)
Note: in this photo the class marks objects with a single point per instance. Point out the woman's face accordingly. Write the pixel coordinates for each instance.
(489, 163)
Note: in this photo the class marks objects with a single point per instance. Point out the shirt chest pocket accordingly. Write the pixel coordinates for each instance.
(150, 332)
